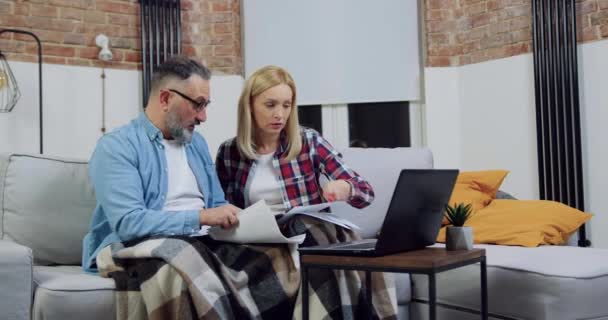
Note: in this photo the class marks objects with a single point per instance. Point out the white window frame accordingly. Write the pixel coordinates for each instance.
(334, 117)
(335, 124)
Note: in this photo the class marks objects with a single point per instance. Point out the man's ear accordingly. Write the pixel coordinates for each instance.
(163, 99)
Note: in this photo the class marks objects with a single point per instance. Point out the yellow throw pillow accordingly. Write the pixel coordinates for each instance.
(527, 223)
(477, 188)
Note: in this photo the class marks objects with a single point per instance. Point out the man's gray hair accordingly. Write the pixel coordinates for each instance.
(178, 67)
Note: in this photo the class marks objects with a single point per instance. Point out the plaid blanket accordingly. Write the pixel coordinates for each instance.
(199, 278)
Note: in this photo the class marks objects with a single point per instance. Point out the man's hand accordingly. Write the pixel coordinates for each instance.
(338, 190)
(225, 216)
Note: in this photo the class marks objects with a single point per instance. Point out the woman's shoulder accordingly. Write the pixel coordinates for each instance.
(228, 147)
(230, 143)
(309, 134)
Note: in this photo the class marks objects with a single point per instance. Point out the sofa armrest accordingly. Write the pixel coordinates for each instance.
(16, 279)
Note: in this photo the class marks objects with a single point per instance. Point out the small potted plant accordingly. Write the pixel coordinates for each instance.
(458, 237)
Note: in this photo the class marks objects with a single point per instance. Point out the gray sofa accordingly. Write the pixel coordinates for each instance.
(46, 204)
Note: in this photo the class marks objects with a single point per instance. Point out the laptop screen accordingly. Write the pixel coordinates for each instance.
(416, 210)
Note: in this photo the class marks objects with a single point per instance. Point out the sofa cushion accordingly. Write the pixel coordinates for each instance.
(547, 282)
(381, 167)
(3, 166)
(47, 205)
(477, 187)
(68, 293)
(526, 223)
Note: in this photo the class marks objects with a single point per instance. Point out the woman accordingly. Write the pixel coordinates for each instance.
(273, 159)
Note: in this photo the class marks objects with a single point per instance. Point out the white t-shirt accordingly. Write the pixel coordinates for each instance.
(265, 185)
(183, 192)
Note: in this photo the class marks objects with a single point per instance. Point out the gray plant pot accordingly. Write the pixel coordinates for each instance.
(459, 238)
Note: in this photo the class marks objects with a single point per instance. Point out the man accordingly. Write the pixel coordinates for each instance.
(155, 176)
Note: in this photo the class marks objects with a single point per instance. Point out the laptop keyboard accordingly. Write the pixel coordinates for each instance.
(361, 245)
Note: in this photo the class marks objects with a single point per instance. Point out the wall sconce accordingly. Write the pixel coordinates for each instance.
(103, 42)
(105, 55)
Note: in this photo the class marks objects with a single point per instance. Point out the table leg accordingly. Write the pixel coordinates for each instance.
(432, 297)
(304, 284)
(368, 292)
(484, 289)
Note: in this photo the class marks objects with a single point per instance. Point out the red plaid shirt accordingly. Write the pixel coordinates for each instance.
(299, 179)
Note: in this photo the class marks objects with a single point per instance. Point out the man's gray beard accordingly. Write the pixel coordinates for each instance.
(179, 133)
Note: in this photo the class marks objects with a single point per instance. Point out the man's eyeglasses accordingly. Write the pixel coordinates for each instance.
(198, 106)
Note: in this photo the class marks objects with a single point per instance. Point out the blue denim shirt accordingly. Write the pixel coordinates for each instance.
(129, 172)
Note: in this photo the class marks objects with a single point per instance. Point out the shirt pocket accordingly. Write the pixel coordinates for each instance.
(304, 180)
(307, 169)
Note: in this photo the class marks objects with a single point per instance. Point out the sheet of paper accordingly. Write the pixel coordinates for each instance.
(202, 232)
(310, 208)
(257, 224)
(313, 211)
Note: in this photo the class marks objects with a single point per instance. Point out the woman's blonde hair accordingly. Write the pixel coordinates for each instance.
(260, 81)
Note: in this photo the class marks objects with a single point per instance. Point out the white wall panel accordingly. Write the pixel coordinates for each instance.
(498, 120)
(593, 75)
(443, 114)
(72, 108)
(222, 112)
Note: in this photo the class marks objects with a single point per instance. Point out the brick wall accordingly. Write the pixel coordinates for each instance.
(461, 32)
(67, 28)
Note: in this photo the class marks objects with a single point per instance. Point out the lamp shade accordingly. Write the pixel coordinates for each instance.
(9, 90)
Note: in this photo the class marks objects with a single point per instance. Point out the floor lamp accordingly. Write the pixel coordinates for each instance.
(9, 99)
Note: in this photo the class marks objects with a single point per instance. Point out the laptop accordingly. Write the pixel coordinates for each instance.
(413, 219)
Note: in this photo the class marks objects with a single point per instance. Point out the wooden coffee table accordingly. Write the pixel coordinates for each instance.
(429, 261)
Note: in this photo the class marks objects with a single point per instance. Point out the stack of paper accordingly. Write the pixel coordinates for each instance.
(257, 224)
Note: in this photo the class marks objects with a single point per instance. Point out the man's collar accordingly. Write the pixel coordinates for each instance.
(151, 130)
